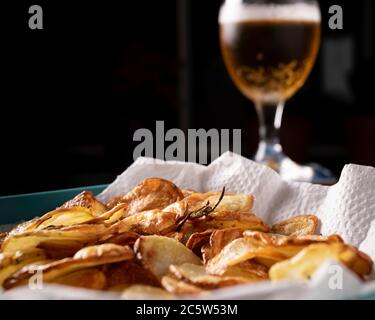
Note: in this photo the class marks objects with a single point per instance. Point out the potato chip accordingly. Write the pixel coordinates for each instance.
(249, 269)
(266, 248)
(178, 287)
(88, 279)
(302, 225)
(84, 234)
(61, 218)
(87, 200)
(196, 275)
(218, 240)
(305, 263)
(128, 273)
(142, 292)
(12, 262)
(198, 239)
(146, 223)
(157, 253)
(85, 258)
(226, 219)
(124, 239)
(150, 194)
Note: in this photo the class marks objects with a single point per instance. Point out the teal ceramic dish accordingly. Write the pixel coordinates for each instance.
(23, 207)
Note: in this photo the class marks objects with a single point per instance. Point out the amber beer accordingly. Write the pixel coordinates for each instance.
(269, 59)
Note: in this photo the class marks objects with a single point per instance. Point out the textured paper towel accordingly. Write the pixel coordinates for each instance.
(347, 208)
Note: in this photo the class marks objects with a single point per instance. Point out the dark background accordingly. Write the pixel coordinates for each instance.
(73, 94)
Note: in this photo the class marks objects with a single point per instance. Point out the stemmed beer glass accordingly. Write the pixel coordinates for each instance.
(269, 48)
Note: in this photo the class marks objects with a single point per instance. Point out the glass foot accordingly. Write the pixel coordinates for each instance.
(273, 157)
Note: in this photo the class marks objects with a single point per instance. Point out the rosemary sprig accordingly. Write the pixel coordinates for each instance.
(201, 212)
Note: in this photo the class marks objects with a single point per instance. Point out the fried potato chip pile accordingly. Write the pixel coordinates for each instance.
(161, 242)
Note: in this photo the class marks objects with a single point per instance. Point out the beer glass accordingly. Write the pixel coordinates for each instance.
(269, 49)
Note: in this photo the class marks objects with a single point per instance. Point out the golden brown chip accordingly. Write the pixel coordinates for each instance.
(198, 240)
(146, 223)
(229, 203)
(62, 217)
(157, 253)
(281, 240)
(245, 220)
(59, 250)
(150, 194)
(178, 287)
(88, 278)
(142, 292)
(302, 225)
(226, 220)
(218, 240)
(248, 269)
(124, 239)
(12, 262)
(305, 263)
(129, 273)
(29, 240)
(87, 200)
(266, 248)
(196, 275)
(85, 258)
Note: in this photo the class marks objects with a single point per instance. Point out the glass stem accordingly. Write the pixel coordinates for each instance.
(270, 116)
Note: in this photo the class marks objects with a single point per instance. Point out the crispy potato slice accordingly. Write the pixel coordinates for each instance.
(164, 221)
(87, 200)
(61, 218)
(223, 220)
(153, 193)
(123, 239)
(178, 287)
(129, 273)
(84, 234)
(83, 259)
(157, 253)
(229, 203)
(87, 278)
(196, 275)
(281, 240)
(305, 263)
(226, 219)
(142, 292)
(266, 248)
(302, 225)
(218, 240)
(198, 240)
(248, 269)
(234, 253)
(12, 262)
(233, 202)
(146, 223)
(59, 250)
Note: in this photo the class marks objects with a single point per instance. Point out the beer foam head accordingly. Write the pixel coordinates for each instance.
(236, 11)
